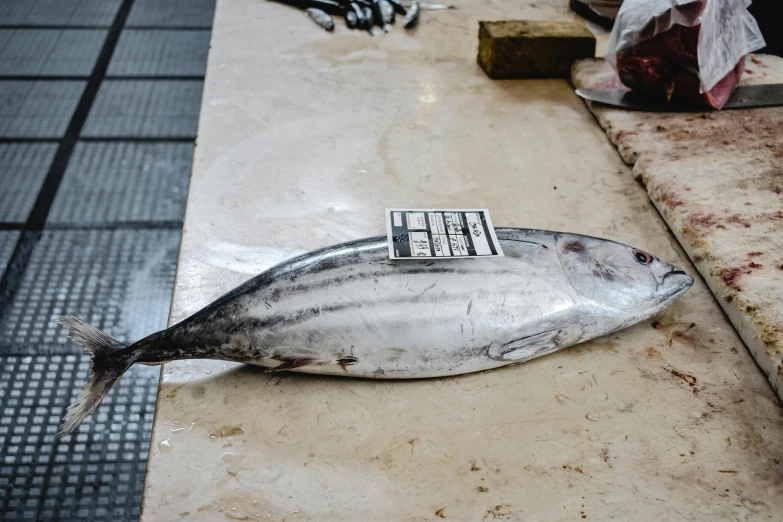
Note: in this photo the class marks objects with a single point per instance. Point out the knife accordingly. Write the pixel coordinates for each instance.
(743, 97)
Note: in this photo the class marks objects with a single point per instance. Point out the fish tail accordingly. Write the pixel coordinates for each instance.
(108, 361)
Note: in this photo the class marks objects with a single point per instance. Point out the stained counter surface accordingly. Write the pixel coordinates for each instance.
(304, 138)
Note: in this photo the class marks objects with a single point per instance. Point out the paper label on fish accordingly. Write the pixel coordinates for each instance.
(425, 233)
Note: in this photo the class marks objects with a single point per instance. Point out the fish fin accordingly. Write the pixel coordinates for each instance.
(108, 361)
(535, 345)
(291, 363)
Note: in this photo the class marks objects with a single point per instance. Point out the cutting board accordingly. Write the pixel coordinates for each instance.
(717, 179)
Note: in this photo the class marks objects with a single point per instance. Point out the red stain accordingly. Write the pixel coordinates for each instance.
(755, 60)
(736, 218)
(574, 246)
(731, 275)
(674, 201)
(704, 220)
(754, 254)
(748, 71)
(690, 380)
(755, 265)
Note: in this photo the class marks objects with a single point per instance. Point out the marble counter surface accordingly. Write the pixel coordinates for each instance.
(716, 179)
(305, 137)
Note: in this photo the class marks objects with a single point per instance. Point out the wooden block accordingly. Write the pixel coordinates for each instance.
(526, 49)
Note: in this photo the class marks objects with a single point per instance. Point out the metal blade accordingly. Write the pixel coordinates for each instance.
(743, 97)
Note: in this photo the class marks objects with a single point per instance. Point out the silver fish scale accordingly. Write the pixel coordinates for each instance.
(349, 310)
(391, 314)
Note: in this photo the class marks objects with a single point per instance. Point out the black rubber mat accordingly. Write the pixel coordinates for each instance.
(110, 213)
(49, 52)
(37, 109)
(23, 167)
(8, 240)
(172, 13)
(96, 472)
(58, 12)
(145, 108)
(169, 53)
(124, 182)
(118, 280)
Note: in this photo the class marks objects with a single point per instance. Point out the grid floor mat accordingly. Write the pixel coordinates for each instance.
(172, 13)
(121, 182)
(94, 473)
(49, 52)
(145, 108)
(58, 12)
(23, 167)
(171, 53)
(120, 281)
(109, 245)
(8, 239)
(32, 109)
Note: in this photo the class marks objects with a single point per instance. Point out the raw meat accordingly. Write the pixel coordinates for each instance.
(667, 65)
(692, 53)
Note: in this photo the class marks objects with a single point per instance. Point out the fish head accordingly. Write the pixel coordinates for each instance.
(620, 277)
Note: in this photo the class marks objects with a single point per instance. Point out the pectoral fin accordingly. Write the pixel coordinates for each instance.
(535, 345)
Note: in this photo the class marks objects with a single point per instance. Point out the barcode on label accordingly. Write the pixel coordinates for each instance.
(440, 233)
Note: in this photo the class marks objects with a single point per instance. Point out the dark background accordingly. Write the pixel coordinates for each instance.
(99, 105)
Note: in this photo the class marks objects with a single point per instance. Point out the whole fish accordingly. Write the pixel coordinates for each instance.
(397, 6)
(349, 310)
(350, 20)
(387, 11)
(359, 12)
(328, 6)
(369, 19)
(378, 18)
(412, 18)
(322, 20)
(426, 6)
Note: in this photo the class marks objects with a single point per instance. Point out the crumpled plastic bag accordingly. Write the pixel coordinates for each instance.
(688, 50)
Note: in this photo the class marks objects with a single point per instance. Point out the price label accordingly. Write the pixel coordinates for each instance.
(423, 233)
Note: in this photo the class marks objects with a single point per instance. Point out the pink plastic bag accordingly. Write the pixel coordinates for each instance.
(689, 51)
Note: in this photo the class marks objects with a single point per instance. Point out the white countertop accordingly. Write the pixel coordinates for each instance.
(304, 138)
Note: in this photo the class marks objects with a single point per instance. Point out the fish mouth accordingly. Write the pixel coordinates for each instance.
(675, 283)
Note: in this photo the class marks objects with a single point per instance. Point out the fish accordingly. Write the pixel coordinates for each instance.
(321, 19)
(398, 7)
(426, 6)
(387, 12)
(348, 310)
(378, 18)
(351, 20)
(412, 18)
(361, 21)
(369, 19)
(328, 6)
(436, 7)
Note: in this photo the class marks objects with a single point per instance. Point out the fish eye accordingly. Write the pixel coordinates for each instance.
(643, 257)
